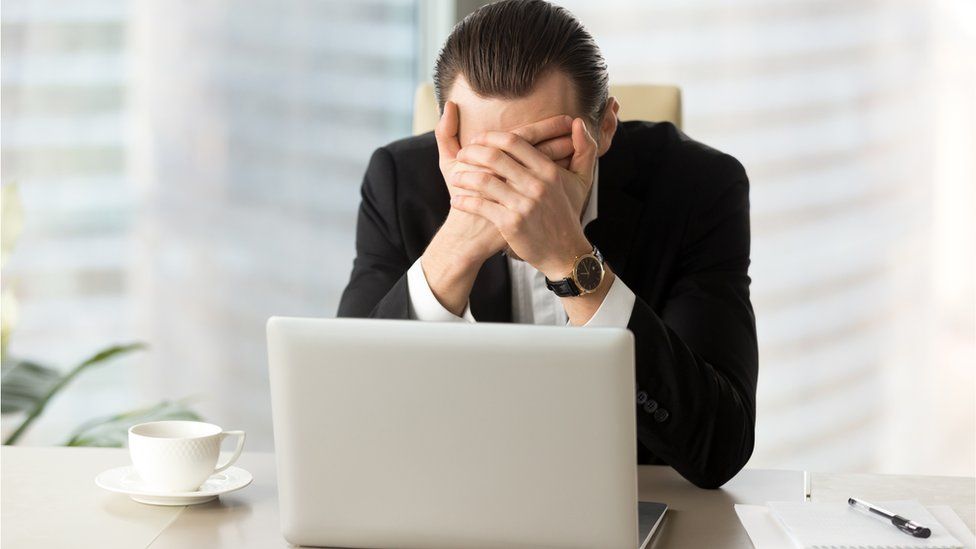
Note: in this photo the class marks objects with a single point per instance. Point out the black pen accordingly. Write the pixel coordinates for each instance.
(902, 523)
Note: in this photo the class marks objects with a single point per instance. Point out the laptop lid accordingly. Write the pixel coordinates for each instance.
(411, 434)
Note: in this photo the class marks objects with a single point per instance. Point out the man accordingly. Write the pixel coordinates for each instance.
(546, 210)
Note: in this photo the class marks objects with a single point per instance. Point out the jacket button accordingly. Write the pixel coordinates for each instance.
(661, 415)
(641, 397)
(650, 406)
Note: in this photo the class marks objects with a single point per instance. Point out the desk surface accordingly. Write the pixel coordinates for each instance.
(49, 499)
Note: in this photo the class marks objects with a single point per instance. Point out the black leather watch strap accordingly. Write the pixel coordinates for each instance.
(563, 288)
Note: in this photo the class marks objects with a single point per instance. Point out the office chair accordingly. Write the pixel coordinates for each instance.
(637, 102)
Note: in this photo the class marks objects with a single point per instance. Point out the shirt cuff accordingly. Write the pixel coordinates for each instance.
(423, 303)
(616, 308)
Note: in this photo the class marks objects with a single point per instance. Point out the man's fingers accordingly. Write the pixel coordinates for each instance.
(584, 157)
(490, 157)
(557, 148)
(446, 131)
(497, 214)
(540, 131)
(516, 147)
(491, 187)
(459, 166)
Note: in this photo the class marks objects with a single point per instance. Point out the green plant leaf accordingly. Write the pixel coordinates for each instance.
(107, 353)
(63, 381)
(113, 431)
(24, 384)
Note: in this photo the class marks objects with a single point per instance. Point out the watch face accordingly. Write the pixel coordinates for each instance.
(589, 273)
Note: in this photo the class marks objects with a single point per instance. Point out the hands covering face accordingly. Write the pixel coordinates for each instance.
(550, 138)
(535, 203)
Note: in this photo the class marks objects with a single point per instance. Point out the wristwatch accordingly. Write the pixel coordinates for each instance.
(586, 277)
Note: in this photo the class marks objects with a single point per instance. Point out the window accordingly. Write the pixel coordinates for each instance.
(845, 115)
(189, 169)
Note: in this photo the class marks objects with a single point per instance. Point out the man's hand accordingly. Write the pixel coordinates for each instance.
(470, 239)
(533, 203)
(456, 253)
(551, 136)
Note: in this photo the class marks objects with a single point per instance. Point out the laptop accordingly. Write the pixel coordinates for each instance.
(406, 434)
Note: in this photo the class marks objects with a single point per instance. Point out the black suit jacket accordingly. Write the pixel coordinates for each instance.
(673, 224)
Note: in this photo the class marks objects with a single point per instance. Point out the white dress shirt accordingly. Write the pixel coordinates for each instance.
(532, 302)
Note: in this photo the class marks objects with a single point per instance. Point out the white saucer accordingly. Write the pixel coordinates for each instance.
(125, 480)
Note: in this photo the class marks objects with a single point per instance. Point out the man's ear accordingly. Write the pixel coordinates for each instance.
(608, 126)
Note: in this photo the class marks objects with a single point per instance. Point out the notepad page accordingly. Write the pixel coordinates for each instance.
(837, 525)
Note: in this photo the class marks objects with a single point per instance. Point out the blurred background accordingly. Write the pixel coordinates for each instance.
(188, 168)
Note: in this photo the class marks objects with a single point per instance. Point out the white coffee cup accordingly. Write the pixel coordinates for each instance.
(178, 456)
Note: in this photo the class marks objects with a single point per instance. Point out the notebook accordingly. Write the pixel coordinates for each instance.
(649, 515)
(837, 525)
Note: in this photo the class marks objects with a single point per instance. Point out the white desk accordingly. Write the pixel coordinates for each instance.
(49, 499)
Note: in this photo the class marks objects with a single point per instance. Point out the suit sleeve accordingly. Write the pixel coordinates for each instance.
(697, 362)
(378, 284)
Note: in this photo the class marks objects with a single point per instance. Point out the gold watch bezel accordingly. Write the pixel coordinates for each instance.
(576, 262)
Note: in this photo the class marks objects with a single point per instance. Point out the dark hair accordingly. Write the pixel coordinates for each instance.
(502, 50)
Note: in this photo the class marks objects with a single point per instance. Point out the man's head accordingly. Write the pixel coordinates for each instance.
(517, 61)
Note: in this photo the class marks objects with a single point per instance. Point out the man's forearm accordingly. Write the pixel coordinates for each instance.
(695, 414)
(450, 272)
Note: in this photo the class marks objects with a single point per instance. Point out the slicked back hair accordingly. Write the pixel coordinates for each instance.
(504, 48)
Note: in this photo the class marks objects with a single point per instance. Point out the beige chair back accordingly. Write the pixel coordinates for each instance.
(637, 102)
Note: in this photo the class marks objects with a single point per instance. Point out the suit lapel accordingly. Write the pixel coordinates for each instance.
(618, 210)
(491, 296)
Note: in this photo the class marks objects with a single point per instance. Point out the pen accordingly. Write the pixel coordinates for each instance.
(902, 523)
